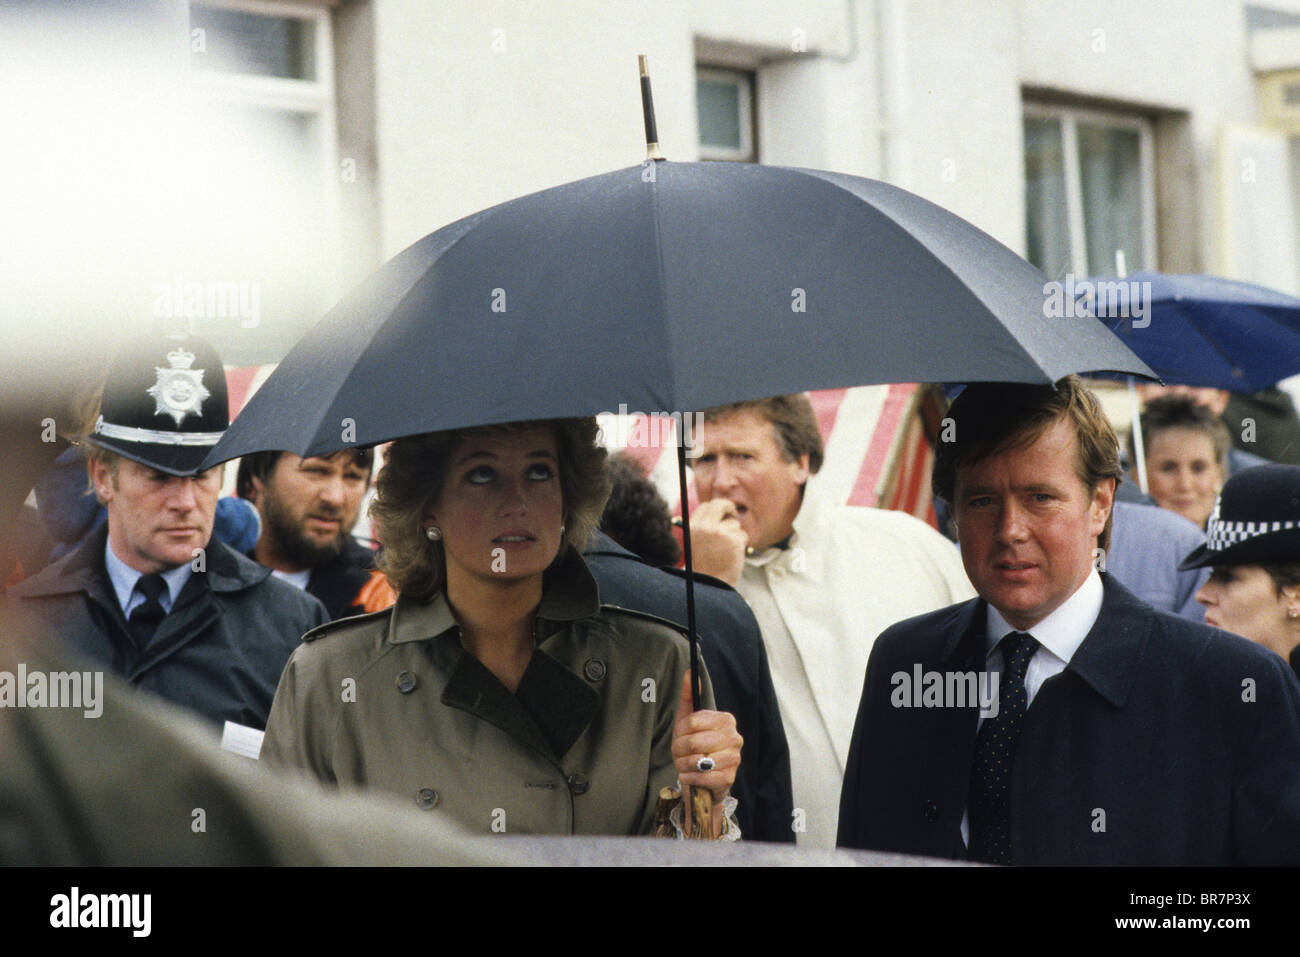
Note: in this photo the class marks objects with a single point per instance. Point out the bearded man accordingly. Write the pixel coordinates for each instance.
(309, 508)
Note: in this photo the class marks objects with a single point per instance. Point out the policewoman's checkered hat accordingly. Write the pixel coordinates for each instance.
(164, 404)
(1256, 520)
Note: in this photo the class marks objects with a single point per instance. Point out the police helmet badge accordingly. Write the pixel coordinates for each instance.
(179, 390)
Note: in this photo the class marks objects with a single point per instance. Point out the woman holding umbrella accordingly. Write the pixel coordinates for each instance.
(498, 690)
(1253, 544)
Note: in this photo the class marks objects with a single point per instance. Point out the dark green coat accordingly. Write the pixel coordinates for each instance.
(392, 701)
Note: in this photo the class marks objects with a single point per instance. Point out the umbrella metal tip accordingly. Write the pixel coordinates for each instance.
(643, 64)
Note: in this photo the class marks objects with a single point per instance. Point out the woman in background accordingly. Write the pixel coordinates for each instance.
(1186, 453)
(1253, 545)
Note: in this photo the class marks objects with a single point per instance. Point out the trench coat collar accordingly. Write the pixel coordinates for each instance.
(552, 706)
(569, 593)
(1107, 661)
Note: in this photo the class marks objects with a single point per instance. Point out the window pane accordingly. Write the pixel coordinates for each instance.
(718, 104)
(1046, 228)
(234, 42)
(1110, 171)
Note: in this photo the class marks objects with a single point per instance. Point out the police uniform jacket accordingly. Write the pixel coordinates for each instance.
(219, 652)
(391, 700)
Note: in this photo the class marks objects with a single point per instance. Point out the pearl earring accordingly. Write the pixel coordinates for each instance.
(434, 533)
(561, 531)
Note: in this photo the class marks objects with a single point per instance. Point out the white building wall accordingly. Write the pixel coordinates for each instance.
(479, 101)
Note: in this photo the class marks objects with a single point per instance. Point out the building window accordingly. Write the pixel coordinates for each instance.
(262, 73)
(1089, 191)
(724, 102)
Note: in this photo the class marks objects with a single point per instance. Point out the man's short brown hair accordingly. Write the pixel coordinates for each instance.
(794, 420)
(260, 465)
(993, 417)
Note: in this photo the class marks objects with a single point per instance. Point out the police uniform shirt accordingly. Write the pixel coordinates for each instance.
(124, 578)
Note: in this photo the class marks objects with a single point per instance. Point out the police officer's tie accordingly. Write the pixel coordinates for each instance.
(988, 804)
(144, 618)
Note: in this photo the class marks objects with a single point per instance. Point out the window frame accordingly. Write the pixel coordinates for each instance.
(1069, 118)
(746, 80)
(312, 99)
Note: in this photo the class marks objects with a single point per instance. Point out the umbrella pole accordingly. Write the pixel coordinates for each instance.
(697, 807)
(690, 572)
(1139, 447)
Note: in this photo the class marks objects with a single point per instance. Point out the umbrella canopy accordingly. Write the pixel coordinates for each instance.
(666, 287)
(1202, 330)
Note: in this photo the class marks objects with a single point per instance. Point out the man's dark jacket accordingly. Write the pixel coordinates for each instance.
(337, 582)
(732, 647)
(219, 651)
(1164, 742)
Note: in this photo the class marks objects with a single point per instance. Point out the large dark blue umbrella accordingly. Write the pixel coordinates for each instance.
(660, 288)
(1202, 330)
(666, 287)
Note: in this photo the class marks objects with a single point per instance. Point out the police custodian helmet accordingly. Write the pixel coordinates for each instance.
(164, 404)
(1256, 520)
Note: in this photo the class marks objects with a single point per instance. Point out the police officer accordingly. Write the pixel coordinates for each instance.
(152, 594)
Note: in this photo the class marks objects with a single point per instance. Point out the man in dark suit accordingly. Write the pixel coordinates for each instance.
(1057, 719)
(733, 653)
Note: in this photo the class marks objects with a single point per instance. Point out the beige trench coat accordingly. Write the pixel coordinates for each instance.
(392, 701)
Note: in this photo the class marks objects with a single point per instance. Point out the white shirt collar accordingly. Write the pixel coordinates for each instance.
(297, 579)
(1063, 631)
(809, 516)
(124, 578)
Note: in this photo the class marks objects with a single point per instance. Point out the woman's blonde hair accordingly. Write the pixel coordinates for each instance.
(411, 482)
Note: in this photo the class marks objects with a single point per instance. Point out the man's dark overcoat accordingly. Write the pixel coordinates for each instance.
(1164, 742)
(219, 652)
(733, 651)
(338, 582)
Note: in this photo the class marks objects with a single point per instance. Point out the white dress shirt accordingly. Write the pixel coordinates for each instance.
(1059, 636)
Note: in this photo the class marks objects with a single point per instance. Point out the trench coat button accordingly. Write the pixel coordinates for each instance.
(406, 682)
(426, 798)
(578, 784)
(594, 669)
(931, 811)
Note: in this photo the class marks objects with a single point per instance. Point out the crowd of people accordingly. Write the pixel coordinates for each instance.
(510, 655)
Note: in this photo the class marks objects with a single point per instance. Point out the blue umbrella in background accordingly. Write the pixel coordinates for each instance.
(1201, 330)
(1197, 330)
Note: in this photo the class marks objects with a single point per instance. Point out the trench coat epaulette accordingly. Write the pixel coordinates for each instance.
(644, 616)
(320, 631)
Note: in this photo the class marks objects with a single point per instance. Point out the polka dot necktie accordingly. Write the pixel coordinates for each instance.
(145, 617)
(989, 802)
